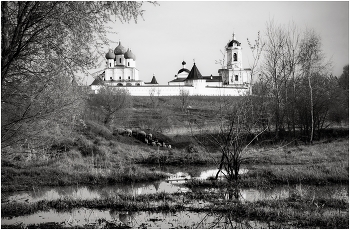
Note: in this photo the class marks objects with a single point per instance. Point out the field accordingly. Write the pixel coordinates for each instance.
(93, 156)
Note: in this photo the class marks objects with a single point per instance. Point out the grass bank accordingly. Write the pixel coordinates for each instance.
(94, 155)
(292, 212)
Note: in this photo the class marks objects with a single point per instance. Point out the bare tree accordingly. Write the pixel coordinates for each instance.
(311, 61)
(110, 101)
(184, 99)
(43, 45)
(292, 43)
(274, 70)
(238, 120)
(257, 49)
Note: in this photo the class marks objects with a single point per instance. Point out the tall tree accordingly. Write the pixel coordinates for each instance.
(274, 70)
(311, 60)
(43, 44)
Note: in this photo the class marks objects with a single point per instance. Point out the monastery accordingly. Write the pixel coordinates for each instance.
(121, 71)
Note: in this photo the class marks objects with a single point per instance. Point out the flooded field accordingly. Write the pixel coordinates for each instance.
(174, 184)
(90, 193)
(85, 217)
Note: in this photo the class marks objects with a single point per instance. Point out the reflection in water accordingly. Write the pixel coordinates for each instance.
(174, 184)
(81, 217)
(283, 192)
(212, 173)
(123, 216)
(90, 193)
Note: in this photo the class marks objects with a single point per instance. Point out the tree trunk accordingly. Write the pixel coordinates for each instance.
(312, 111)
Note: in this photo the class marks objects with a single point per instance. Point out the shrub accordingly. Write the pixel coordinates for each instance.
(85, 146)
(99, 130)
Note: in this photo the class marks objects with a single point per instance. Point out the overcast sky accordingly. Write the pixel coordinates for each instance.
(183, 30)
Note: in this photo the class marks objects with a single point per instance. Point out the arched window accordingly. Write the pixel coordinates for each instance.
(128, 84)
(128, 64)
(236, 77)
(119, 84)
(138, 84)
(129, 77)
(234, 57)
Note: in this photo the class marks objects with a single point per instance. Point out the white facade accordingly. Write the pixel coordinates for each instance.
(176, 90)
(233, 79)
(234, 74)
(121, 68)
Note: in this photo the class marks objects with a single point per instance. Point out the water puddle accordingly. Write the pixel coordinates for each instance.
(94, 192)
(84, 217)
(174, 184)
(184, 219)
(284, 192)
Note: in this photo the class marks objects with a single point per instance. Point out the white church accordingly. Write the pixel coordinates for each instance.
(121, 71)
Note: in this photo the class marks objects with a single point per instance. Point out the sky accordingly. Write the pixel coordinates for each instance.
(197, 31)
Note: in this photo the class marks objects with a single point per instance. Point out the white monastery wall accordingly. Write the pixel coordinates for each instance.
(175, 90)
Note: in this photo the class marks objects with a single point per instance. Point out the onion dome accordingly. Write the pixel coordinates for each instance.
(129, 55)
(230, 44)
(119, 49)
(183, 70)
(233, 41)
(110, 54)
(133, 55)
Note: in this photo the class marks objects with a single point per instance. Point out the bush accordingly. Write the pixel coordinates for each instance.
(85, 146)
(96, 129)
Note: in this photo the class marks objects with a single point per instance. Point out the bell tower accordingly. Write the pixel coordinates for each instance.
(234, 54)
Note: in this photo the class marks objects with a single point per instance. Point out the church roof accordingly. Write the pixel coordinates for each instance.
(98, 80)
(129, 55)
(183, 70)
(213, 78)
(207, 79)
(154, 80)
(119, 49)
(194, 73)
(110, 54)
(230, 44)
(178, 80)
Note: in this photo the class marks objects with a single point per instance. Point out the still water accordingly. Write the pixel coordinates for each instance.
(174, 184)
(182, 219)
